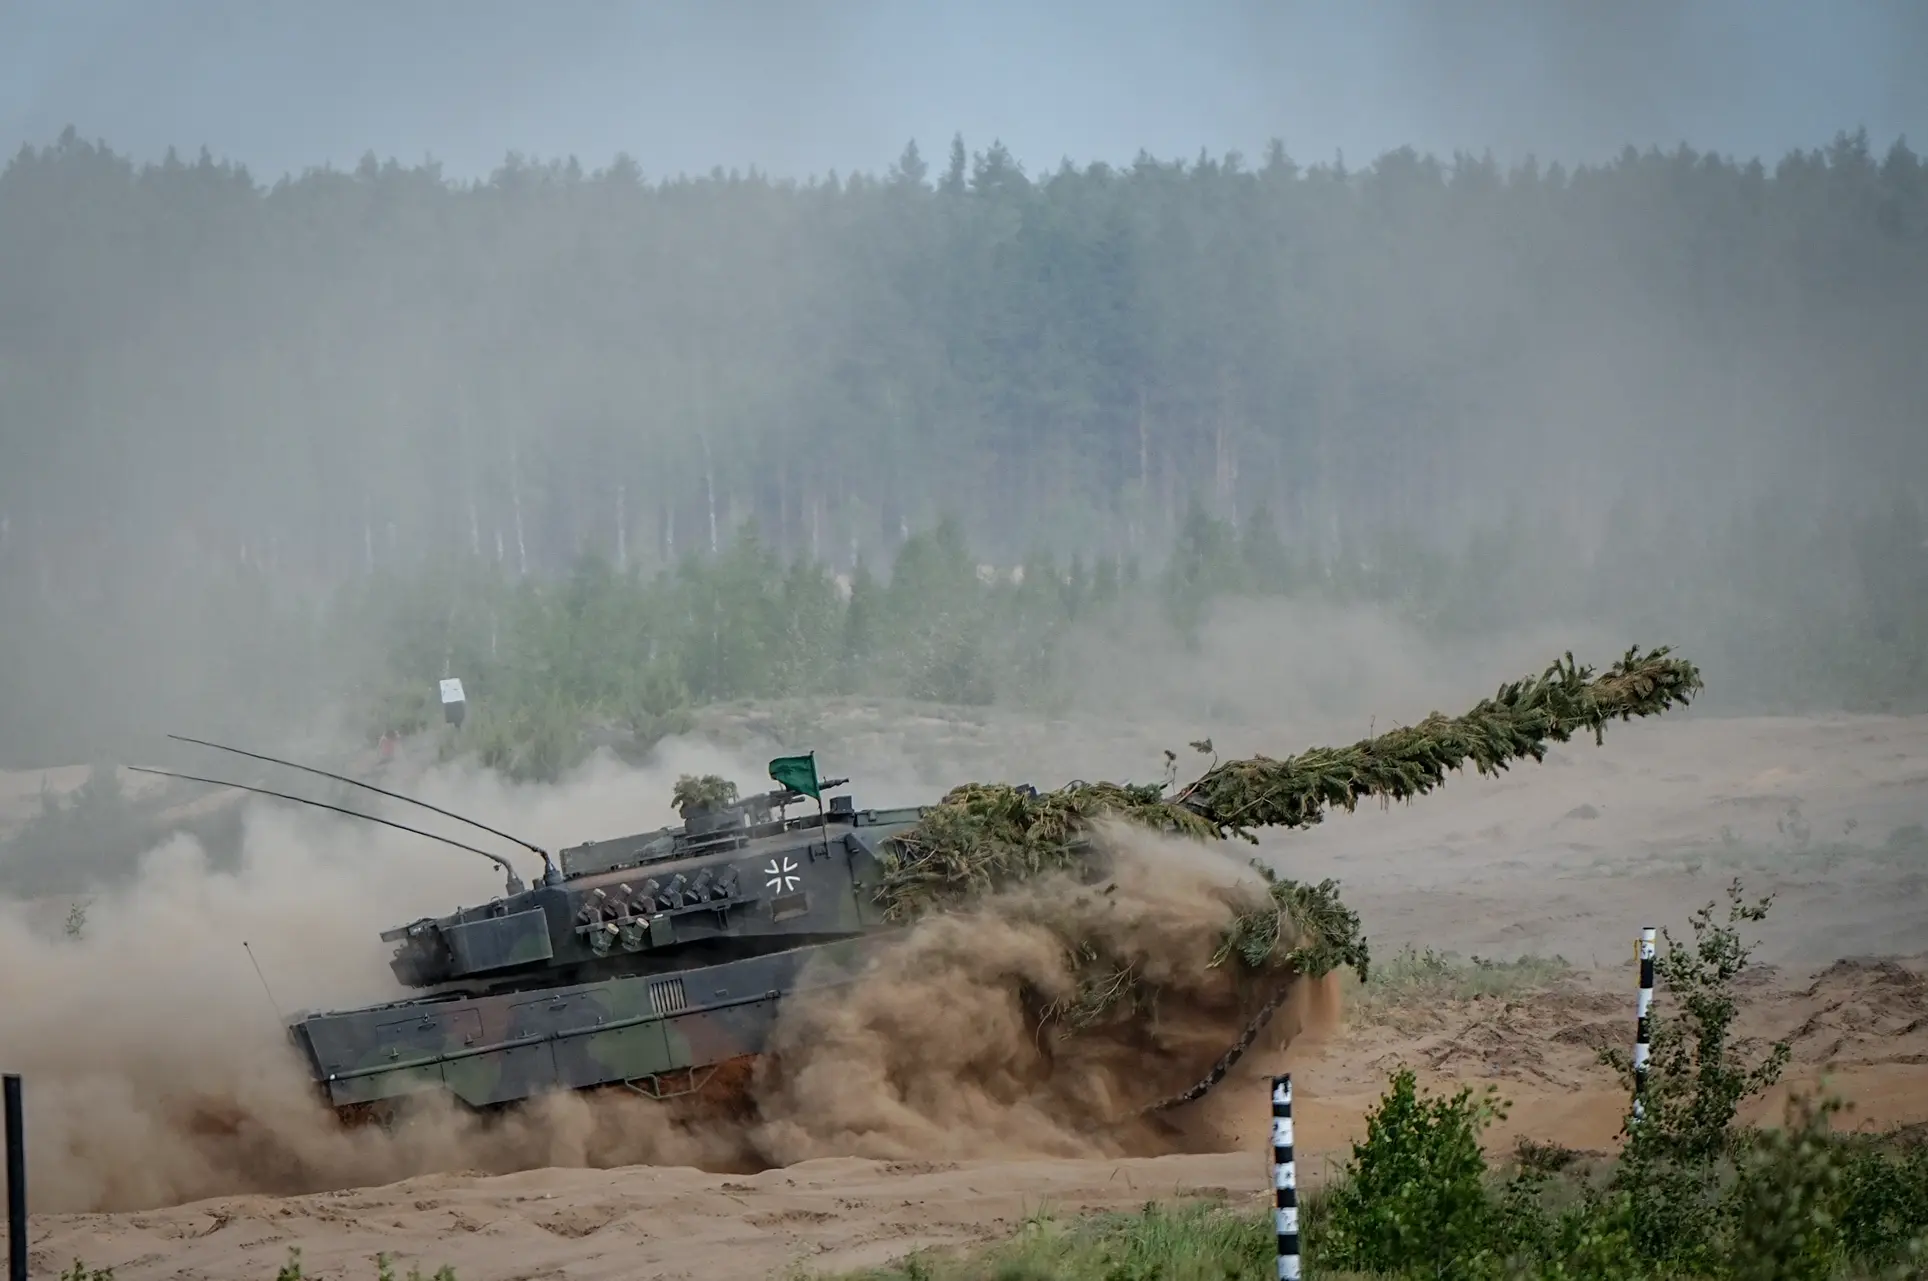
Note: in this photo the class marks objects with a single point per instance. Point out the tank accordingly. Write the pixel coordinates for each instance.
(657, 962)
(660, 962)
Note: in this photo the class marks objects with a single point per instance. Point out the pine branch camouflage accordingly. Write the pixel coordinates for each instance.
(1516, 723)
(983, 837)
(694, 794)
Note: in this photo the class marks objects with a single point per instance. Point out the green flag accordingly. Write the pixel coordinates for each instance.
(798, 773)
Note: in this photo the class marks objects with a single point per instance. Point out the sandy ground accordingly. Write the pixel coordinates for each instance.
(1570, 857)
(1867, 1022)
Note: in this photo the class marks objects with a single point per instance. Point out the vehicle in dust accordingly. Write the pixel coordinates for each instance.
(656, 962)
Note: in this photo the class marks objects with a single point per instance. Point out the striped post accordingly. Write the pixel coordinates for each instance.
(16, 1182)
(1285, 1179)
(1642, 1026)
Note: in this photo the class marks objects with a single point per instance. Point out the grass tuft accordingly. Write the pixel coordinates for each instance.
(1189, 1241)
(1412, 975)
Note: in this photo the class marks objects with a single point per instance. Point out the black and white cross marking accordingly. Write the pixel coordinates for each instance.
(782, 879)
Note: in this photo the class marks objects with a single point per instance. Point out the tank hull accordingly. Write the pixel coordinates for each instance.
(662, 1034)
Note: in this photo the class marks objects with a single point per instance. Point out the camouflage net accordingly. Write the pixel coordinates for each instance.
(987, 836)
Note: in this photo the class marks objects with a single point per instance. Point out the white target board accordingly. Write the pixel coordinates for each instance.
(455, 706)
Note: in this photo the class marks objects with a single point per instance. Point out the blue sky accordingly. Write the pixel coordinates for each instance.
(802, 87)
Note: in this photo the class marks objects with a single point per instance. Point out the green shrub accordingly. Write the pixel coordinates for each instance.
(1676, 1160)
(1884, 1201)
(1692, 1194)
(1415, 1191)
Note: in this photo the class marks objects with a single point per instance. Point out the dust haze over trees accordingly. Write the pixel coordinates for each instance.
(1679, 395)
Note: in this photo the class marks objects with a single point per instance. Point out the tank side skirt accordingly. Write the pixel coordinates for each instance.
(510, 1046)
(565, 1034)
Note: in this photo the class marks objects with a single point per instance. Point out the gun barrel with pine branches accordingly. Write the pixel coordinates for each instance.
(1516, 723)
(984, 837)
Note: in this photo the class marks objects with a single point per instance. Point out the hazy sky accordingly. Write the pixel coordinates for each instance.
(808, 85)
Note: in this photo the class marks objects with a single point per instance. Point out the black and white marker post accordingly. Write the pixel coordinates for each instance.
(1285, 1179)
(1643, 1022)
(16, 1183)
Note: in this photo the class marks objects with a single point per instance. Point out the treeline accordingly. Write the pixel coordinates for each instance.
(555, 665)
(368, 368)
(1784, 614)
(622, 658)
(220, 401)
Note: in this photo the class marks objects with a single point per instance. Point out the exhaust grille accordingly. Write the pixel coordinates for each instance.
(667, 996)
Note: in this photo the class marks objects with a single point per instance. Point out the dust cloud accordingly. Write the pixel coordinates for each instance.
(935, 1052)
(158, 1066)
(160, 1073)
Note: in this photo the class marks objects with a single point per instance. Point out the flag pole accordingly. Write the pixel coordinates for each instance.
(823, 824)
(788, 771)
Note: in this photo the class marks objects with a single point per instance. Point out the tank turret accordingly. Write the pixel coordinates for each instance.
(740, 877)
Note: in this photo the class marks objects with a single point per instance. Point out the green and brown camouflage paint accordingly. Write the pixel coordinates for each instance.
(649, 961)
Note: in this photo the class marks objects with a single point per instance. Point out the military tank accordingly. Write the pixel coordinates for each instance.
(656, 962)
(659, 962)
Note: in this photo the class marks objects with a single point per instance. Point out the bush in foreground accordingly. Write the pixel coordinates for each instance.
(1419, 1200)
(1693, 1193)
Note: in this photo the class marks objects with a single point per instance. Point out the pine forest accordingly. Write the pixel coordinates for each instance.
(612, 445)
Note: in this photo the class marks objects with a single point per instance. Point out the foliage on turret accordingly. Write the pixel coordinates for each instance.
(696, 794)
(983, 837)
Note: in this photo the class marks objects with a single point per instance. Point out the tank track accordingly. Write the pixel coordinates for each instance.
(1226, 1061)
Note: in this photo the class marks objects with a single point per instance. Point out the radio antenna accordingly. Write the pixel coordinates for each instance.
(548, 863)
(515, 882)
(272, 1003)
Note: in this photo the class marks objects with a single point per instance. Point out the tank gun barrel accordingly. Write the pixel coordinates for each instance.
(1519, 722)
(987, 834)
